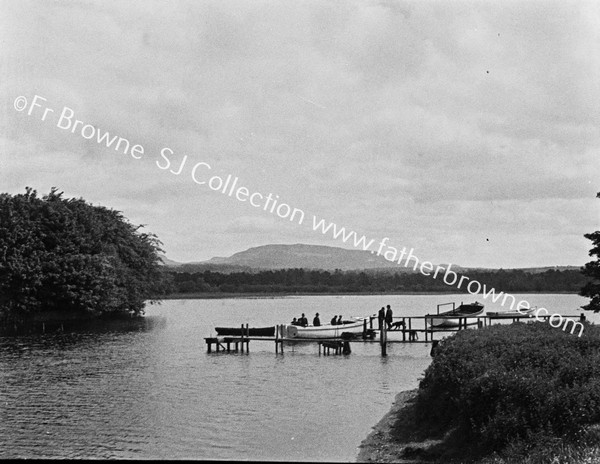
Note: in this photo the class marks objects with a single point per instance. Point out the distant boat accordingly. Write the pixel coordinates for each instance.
(456, 317)
(325, 331)
(511, 313)
(253, 331)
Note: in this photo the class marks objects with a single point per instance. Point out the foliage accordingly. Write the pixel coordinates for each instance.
(592, 269)
(507, 383)
(318, 281)
(583, 450)
(65, 255)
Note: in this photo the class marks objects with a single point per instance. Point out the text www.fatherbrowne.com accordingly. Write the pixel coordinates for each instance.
(230, 185)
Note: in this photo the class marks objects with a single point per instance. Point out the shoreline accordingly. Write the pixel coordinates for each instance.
(271, 295)
(393, 435)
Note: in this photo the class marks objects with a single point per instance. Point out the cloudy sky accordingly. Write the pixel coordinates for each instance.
(469, 131)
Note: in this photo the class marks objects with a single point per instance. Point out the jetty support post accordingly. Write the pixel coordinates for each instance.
(346, 347)
(247, 338)
(279, 329)
(279, 336)
(242, 337)
(383, 339)
(364, 334)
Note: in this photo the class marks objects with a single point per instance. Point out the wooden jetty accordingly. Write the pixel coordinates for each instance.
(238, 343)
(408, 328)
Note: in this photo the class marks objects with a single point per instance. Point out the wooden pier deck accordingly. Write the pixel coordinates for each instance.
(405, 329)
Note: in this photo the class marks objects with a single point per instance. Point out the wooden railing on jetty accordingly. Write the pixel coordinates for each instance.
(408, 326)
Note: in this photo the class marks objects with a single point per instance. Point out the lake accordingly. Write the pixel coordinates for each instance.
(153, 391)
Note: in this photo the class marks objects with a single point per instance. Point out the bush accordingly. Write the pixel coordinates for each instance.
(508, 383)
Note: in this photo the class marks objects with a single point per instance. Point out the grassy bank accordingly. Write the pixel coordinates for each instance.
(520, 393)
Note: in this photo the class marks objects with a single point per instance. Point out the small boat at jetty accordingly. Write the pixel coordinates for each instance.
(253, 331)
(325, 331)
(511, 313)
(456, 316)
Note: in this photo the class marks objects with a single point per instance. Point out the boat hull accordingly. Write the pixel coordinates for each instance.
(324, 331)
(253, 331)
(452, 322)
(511, 314)
(464, 315)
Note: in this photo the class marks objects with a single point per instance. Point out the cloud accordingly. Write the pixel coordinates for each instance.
(379, 115)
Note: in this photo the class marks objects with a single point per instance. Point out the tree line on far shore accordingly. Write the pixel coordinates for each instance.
(65, 257)
(319, 281)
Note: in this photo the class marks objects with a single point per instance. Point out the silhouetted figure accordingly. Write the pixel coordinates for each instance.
(381, 317)
(339, 321)
(316, 320)
(389, 317)
(294, 321)
(303, 321)
(333, 321)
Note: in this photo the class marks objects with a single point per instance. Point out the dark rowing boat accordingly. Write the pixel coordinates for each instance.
(253, 331)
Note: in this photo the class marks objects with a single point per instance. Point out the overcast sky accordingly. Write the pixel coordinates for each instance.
(469, 131)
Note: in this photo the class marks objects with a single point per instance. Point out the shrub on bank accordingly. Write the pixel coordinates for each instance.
(511, 383)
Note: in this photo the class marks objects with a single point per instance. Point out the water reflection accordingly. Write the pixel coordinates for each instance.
(86, 326)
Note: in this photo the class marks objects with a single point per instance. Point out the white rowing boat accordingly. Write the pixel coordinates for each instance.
(324, 331)
(457, 317)
(511, 313)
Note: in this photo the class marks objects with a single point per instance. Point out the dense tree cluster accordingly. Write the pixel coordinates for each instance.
(315, 281)
(67, 256)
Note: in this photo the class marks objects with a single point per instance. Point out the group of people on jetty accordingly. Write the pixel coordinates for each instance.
(302, 321)
(384, 317)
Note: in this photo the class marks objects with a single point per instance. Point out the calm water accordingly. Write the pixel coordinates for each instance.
(155, 393)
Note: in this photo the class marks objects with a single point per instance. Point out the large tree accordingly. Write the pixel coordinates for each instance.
(592, 269)
(65, 255)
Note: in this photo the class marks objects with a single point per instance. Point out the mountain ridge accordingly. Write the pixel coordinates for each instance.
(313, 257)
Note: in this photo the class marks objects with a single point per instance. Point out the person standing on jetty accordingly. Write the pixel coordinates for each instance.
(381, 317)
(316, 321)
(389, 317)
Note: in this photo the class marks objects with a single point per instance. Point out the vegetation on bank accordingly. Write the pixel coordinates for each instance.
(62, 256)
(513, 393)
(317, 281)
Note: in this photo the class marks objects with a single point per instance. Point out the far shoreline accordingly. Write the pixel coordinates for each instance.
(270, 295)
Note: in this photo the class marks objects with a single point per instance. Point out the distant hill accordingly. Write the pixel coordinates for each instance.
(306, 257)
(169, 262)
(319, 257)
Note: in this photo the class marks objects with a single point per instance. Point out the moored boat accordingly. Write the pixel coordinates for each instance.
(512, 313)
(253, 331)
(325, 331)
(465, 314)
